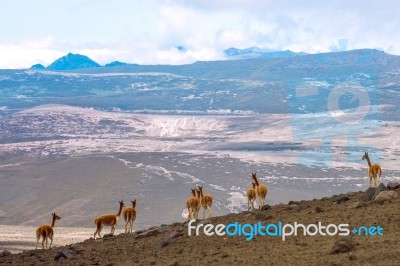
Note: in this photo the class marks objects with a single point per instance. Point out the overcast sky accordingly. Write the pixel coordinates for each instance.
(149, 31)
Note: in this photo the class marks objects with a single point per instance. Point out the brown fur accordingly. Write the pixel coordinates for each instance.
(251, 196)
(206, 202)
(46, 231)
(107, 219)
(261, 191)
(374, 171)
(192, 205)
(129, 216)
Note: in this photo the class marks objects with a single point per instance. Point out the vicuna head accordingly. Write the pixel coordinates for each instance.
(134, 204)
(365, 157)
(254, 185)
(201, 190)
(55, 216)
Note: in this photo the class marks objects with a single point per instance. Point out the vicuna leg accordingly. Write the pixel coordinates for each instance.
(38, 238)
(262, 199)
(209, 211)
(51, 241)
(126, 226)
(112, 229)
(98, 230)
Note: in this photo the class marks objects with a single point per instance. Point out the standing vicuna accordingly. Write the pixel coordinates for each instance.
(261, 191)
(251, 196)
(373, 171)
(46, 231)
(129, 216)
(193, 205)
(108, 219)
(206, 202)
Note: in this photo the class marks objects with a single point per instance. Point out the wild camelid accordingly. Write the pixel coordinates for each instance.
(261, 191)
(46, 231)
(193, 205)
(251, 196)
(108, 219)
(374, 171)
(129, 217)
(206, 202)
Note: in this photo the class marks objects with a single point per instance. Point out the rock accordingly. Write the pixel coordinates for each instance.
(301, 207)
(205, 221)
(352, 257)
(361, 204)
(64, 254)
(247, 213)
(170, 238)
(293, 202)
(107, 236)
(260, 216)
(342, 200)
(372, 192)
(266, 207)
(379, 189)
(139, 232)
(319, 209)
(353, 205)
(5, 253)
(291, 207)
(386, 195)
(357, 205)
(393, 185)
(148, 233)
(342, 246)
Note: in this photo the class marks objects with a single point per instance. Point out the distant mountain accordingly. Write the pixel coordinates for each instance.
(38, 66)
(119, 64)
(73, 61)
(255, 52)
(115, 64)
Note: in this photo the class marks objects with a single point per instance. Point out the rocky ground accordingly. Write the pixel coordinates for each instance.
(171, 245)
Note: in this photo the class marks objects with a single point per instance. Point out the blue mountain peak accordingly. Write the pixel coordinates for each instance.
(72, 61)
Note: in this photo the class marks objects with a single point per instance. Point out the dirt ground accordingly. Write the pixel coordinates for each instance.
(171, 245)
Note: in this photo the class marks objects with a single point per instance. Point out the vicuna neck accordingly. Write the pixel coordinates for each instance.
(255, 180)
(369, 162)
(54, 221)
(120, 210)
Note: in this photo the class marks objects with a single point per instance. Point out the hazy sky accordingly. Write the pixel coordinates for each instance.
(149, 31)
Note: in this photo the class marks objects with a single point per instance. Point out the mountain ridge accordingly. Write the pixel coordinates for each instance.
(81, 62)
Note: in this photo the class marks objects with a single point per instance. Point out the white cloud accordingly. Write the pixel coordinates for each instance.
(149, 32)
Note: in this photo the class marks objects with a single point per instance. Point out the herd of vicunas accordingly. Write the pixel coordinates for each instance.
(194, 204)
